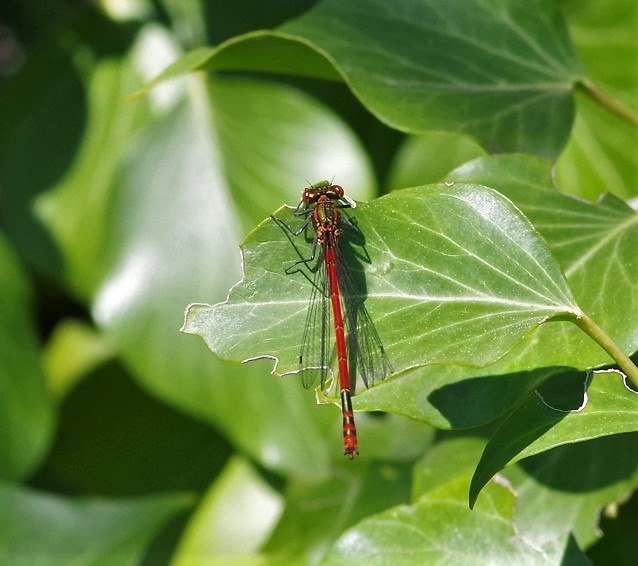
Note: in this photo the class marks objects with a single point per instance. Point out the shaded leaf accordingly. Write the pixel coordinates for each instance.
(453, 397)
(465, 281)
(26, 406)
(620, 526)
(84, 531)
(33, 152)
(566, 489)
(101, 444)
(565, 410)
(439, 528)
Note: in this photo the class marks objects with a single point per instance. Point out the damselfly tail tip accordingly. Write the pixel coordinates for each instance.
(351, 452)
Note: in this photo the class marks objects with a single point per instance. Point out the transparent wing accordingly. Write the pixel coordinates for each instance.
(316, 344)
(366, 355)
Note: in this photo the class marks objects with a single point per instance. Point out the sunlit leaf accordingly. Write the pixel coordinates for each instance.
(238, 497)
(593, 243)
(466, 279)
(599, 158)
(600, 153)
(317, 513)
(428, 158)
(497, 70)
(72, 351)
(439, 528)
(447, 460)
(76, 209)
(181, 190)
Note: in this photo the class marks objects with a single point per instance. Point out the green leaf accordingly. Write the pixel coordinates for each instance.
(144, 279)
(593, 243)
(72, 351)
(428, 158)
(169, 236)
(77, 222)
(494, 70)
(566, 409)
(566, 489)
(600, 153)
(602, 31)
(39, 130)
(272, 139)
(102, 441)
(439, 528)
(317, 513)
(38, 528)
(619, 523)
(26, 406)
(233, 518)
(598, 158)
(447, 460)
(453, 397)
(466, 279)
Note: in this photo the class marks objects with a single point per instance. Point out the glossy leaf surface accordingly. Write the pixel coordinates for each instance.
(556, 415)
(438, 528)
(492, 69)
(467, 279)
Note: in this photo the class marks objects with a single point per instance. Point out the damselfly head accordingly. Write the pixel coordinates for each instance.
(314, 192)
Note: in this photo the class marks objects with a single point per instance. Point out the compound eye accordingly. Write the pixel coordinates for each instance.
(338, 190)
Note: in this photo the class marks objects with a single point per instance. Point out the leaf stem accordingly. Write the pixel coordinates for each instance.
(588, 326)
(607, 102)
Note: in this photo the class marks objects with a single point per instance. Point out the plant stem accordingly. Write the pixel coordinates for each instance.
(608, 102)
(588, 326)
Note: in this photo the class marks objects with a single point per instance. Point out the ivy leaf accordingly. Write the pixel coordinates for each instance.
(316, 513)
(594, 243)
(179, 192)
(85, 531)
(566, 489)
(26, 408)
(239, 496)
(566, 409)
(456, 274)
(497, 70)
(439, 528)
(453, 397)
(493, 69)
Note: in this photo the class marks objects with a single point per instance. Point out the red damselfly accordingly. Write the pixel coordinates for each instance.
(336, 306)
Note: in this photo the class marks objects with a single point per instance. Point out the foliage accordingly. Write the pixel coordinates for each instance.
(500, 270)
